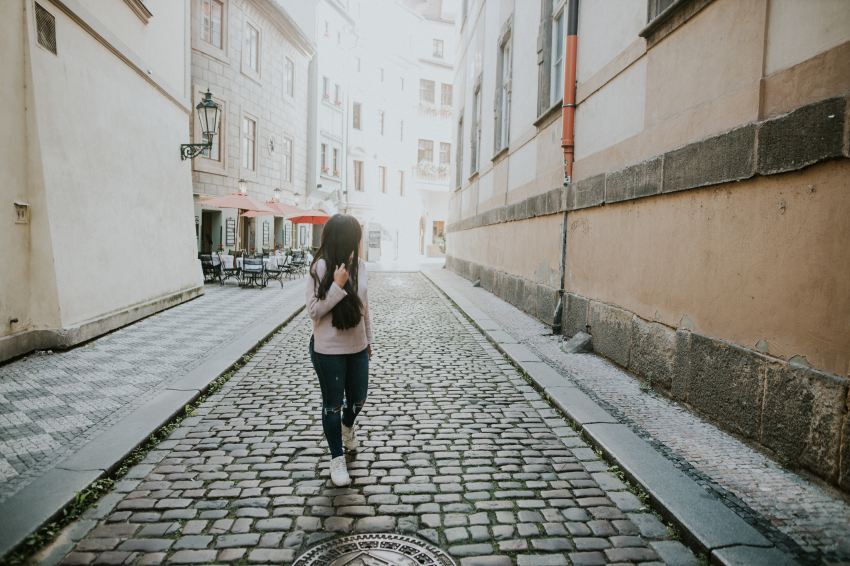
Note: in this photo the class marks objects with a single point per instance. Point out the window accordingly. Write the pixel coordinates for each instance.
(337, 94)
(459, 156)
(438, 48)
(211, 16)
(251, 53)
(324, 158)
(381, 122)
(655, 7)
(326, 88)
(357, 63)
(402, 82)
(249, 144)
(382, 74)
(287, 160)
(426, 91)
(445, 153)
(401, 130)
(382, 178)
(45, 26)
(327, 29)
(336, 162)
(556, 88)
(289, 77)
(426, 151)
(355, 116)
(475, 133)
(503, 95)
(358, 176)
(401, 183)
(446, 94)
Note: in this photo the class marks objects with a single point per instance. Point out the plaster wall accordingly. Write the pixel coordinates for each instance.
(606, 29)
(118, 198)
(749, 263)
(527, 248)
(14, 268)
(800, 30)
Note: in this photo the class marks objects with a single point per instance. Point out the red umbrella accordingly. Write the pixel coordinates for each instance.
(309, 217)
(238, 200)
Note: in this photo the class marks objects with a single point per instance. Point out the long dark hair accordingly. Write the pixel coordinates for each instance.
(340, 241)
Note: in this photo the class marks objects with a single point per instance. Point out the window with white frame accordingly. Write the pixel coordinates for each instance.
(287, 160)
(289, 77)
(445, 154)
(459, 156)
(212, 16)
(475, 132)
(556, 74)
(249, 143)
(438, 48)
(336, 162)
(382, 74)
(446, 94)
(401, 183)
(381, 117)
(251, 49)
(401, 130)
(324, 158)
(426, 91)
(358, 176)
(503, 95)
(326, 88)
(382, 178)
(356, 112)
(337, 94)
(426, 151)
(357, 63)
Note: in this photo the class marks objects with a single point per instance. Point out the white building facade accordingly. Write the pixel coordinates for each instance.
(255, 59)
(97, 225)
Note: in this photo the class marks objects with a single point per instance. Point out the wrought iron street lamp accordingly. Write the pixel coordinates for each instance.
(208, 112)
(243, 187)
(276, 195)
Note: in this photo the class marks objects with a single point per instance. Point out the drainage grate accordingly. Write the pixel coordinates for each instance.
(45, 25)
(375, 549)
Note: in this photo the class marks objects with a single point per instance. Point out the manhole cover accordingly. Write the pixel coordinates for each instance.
(375, 550)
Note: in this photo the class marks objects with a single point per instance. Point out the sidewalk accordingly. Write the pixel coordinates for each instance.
(794, 513)
(68, 417)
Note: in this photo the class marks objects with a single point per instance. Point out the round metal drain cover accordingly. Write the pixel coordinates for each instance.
(375, 550)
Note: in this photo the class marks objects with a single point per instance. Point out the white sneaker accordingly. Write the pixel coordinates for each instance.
(349, 438)
(339, 472)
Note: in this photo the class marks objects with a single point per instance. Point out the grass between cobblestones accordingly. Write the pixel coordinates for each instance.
(38, 541)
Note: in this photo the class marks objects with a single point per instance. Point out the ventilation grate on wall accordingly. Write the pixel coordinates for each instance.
(45, 25)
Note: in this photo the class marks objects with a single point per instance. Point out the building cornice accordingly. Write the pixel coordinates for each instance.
(287, 26)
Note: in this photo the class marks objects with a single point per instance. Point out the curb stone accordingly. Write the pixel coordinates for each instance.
(703, 520)
(44, 498)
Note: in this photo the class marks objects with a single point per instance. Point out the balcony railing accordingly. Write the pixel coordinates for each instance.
(433, 109)
(430, 171)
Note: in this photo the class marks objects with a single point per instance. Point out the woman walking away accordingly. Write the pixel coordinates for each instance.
(341, 345)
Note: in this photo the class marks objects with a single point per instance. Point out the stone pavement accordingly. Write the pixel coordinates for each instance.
(52, 403)
(457, 448)
(795, 513)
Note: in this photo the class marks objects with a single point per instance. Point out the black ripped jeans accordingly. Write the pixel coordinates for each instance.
(340, 375)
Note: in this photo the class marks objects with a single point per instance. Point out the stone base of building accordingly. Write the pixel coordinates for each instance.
(536, 299)
(798, 413)
(64, 338)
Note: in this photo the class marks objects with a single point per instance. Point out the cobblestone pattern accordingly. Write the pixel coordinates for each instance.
(457, 449)
(51, 403)
(797, 514)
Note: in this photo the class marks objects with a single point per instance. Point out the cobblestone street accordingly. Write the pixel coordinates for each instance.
(456, 449)
(51, 403)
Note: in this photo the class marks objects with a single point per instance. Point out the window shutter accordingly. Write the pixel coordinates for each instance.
(544, 48)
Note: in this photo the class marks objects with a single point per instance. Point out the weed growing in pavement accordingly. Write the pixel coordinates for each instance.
(25, 552)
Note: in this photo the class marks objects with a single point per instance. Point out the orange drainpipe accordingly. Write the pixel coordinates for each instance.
(569, 105)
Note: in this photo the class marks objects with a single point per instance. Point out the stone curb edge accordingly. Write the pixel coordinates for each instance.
(703, 521)
(39, 502)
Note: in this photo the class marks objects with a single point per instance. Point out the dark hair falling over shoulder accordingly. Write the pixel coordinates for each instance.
(340, 245)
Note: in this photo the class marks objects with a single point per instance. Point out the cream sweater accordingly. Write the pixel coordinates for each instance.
(326, 338)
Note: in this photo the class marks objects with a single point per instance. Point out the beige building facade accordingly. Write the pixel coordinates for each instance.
(254, 57)
(96, 102)
(701, 241)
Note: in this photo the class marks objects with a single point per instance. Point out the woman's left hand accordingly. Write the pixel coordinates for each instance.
(369, 350)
